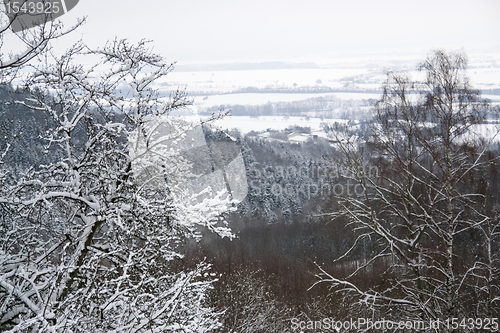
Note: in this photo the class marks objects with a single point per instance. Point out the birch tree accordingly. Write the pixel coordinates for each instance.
(424, 207)
(87, 239)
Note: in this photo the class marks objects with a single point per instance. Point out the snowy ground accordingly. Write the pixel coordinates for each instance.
(351, 79)
(246, 124)
(263, 98)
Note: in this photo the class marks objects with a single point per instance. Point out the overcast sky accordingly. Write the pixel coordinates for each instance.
(260, 30)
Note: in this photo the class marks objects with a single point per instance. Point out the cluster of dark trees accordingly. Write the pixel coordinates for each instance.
(321, 107)
(419, 237)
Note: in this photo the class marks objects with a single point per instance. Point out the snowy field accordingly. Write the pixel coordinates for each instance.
(353, 82)
(352, 79)
(246, 124)
(366, 73)
(264, 98)
(233, 79)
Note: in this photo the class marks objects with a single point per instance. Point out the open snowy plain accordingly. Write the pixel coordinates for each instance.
(352, 84)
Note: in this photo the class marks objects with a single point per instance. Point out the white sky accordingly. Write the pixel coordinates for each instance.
(261, 30)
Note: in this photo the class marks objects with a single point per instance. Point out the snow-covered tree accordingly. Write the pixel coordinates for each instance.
(87, 238)
(424, 214)
(21, 40)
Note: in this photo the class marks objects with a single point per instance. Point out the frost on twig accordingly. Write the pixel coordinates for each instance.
(92, 235)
